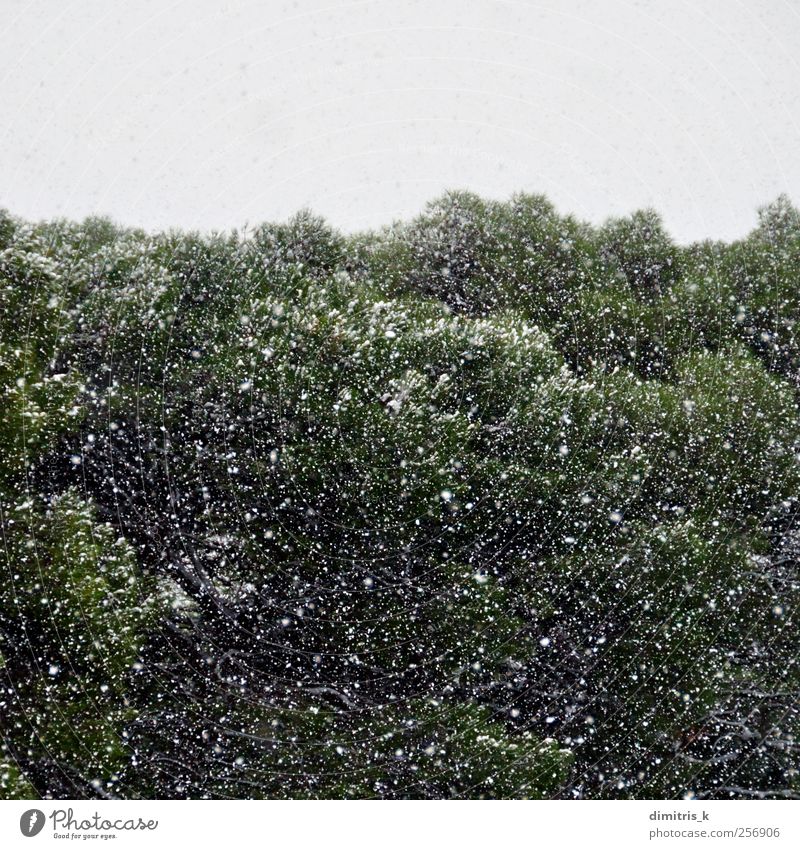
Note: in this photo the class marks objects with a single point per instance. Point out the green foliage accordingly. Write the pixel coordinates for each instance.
(479, 256)
(74, 612)
(38, 392)
(639, 251)
(658, 623)
(489, 504)
(763, 273)
(13, 784)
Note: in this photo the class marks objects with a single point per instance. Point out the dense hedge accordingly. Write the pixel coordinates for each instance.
(490, 504)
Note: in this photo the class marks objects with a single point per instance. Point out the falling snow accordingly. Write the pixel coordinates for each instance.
(492, 503)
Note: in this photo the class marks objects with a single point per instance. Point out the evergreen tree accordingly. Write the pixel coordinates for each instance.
(489, 504)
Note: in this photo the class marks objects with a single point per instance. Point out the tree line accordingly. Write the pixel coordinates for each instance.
(491, 503)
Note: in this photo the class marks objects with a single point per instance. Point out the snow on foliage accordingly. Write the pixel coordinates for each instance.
(488, 504)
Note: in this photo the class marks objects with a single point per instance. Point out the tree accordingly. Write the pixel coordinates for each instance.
(489, 504)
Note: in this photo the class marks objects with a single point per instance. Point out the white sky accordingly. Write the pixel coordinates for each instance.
(216, 114)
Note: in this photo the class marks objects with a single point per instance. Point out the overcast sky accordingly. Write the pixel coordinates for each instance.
(215, 114)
